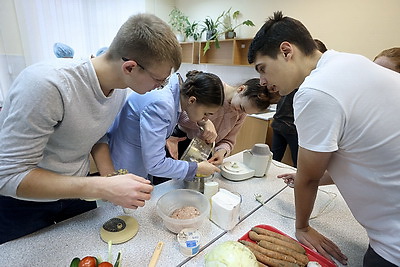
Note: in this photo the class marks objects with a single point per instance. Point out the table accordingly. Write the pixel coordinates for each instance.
(57, 245)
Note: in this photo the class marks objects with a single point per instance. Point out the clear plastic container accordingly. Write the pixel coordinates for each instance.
(180, 198)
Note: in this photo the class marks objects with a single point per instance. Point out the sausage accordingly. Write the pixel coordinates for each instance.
(271, 261)
(294, 246)
(263, 231)
(268, 252)
(300, 258)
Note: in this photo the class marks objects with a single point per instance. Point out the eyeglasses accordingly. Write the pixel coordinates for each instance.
(162, 83)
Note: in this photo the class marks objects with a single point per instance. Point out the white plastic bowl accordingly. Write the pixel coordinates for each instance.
(180, 198)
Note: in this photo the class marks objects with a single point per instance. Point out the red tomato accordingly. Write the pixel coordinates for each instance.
(105, 264)
(88, 262)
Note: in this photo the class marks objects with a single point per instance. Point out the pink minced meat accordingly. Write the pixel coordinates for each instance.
(188, 212)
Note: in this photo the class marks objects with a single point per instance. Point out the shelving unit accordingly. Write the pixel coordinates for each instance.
(190, 52)
(231, 52)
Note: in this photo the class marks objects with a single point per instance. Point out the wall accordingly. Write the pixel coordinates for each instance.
(356, 26)
(9, 29)
(11, 56)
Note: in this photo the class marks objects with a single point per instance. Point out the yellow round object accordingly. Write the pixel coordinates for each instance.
(119, 229)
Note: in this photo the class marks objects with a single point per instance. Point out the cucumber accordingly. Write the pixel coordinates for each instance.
(75, 262)
(118, 261)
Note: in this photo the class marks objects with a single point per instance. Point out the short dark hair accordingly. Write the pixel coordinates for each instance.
(258, 94)
(278, 29)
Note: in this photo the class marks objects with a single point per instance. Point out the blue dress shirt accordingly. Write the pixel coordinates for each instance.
(138, 135)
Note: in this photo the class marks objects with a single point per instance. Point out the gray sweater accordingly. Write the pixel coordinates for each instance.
(54, 113)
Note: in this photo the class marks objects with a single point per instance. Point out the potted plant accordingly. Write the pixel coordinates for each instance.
(228, 23)
(192, 30)
(179, 22)
(213, 31)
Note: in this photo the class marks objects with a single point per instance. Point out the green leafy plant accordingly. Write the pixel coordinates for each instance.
(178, 21)
(213, 31)
(192, 30)
(226, 22)
(229, 21)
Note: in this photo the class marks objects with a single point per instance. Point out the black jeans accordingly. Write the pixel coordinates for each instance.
(279, 142)
(372, 259)
(19, 217)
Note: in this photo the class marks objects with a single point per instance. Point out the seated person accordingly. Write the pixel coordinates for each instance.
(248, 98)
(138, 135)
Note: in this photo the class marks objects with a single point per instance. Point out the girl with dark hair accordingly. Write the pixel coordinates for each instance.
(248, 98)
(139, 133)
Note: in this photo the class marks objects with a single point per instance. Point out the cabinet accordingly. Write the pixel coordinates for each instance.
(253, 131)
(231, 52)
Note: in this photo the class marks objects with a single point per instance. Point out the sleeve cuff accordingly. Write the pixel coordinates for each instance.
(191, 171)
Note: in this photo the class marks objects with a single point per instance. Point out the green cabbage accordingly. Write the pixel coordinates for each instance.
(230, 254)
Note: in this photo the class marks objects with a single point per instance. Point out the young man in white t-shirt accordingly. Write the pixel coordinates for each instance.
(346, 116)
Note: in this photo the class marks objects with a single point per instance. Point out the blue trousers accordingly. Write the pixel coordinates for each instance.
(279, 142)
(20, 217)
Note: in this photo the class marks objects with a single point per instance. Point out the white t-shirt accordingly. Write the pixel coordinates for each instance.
(350, 106)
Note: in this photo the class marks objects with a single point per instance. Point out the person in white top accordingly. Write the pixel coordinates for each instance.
(346, 116)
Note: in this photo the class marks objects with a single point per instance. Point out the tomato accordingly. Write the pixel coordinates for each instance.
(105, 264)
(88, 262)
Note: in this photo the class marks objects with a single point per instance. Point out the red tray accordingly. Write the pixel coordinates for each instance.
(312, 255)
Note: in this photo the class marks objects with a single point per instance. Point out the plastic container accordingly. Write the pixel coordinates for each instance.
(189, 241)
(225, 211)
(180, 198)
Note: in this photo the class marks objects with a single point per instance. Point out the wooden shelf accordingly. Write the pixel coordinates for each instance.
(222, 55)
(241, 49)
(190, 52)
(231, 52)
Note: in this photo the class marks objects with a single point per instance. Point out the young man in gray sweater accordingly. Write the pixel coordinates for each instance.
(58, 112)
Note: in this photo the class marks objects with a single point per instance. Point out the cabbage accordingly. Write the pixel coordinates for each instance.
(230, 254)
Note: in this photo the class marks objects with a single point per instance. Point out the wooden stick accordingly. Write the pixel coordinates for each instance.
(156, 254)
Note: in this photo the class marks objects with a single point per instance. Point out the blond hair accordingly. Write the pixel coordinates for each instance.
(147, 39)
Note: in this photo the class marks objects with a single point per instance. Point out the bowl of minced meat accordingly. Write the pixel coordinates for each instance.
(183, 208)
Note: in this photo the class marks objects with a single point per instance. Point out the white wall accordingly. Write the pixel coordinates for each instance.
(357, 26)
